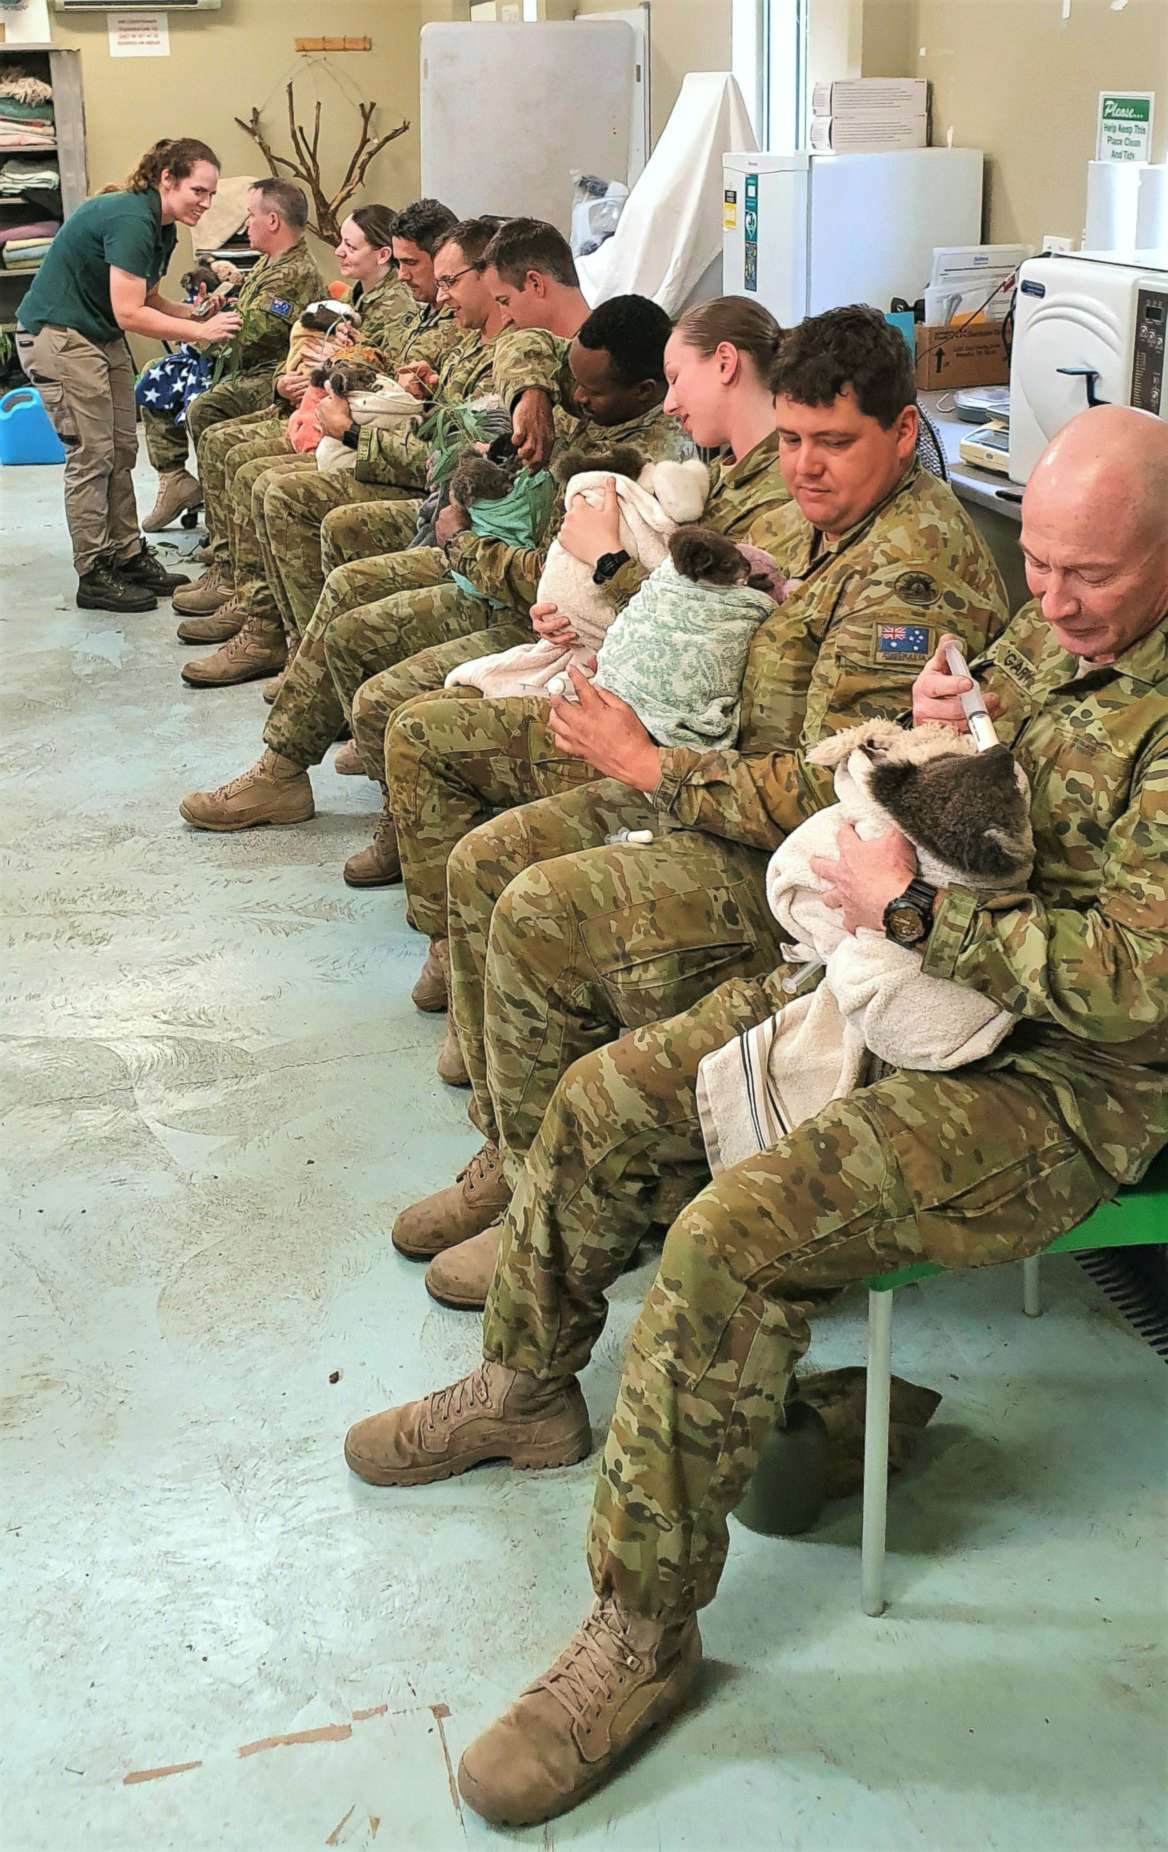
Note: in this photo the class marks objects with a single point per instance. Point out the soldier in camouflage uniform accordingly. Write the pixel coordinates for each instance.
(256, 644)
(271, 298)
(385, 305)
(587, 939)
(343, 647)
(966, 1169)
(223, 450)
(452, 763)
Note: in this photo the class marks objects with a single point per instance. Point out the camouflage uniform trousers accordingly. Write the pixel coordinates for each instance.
(247, 464)
(288, 524)
(378, 701)
(169, 443)
(365, 531)
(559, 941)
(342, 639)
(965, 1169)
(263, 433)
(451, 763)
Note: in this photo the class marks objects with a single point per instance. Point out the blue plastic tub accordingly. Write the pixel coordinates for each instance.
(26, 433)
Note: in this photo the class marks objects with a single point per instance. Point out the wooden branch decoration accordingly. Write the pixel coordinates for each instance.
(326, 208)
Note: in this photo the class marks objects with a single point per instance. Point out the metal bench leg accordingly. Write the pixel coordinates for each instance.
(879, 1389)
(1031, 1287)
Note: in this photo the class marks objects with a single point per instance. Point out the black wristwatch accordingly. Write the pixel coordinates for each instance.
(908, 918)
(352, 437)
(608, 565)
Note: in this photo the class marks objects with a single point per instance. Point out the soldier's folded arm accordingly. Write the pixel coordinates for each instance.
(524, 358)
(396, 458)
(1098, 972)
(825, 669)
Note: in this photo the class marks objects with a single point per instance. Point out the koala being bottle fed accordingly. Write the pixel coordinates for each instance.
(973, 706)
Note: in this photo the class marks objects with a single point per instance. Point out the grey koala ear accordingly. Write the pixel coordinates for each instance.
(875, 737)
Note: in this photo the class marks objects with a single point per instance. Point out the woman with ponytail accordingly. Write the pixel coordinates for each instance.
(99, 283)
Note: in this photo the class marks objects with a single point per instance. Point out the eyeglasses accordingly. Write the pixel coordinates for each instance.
(448, 282)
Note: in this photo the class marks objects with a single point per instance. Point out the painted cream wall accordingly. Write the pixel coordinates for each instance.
(222, 63)
(1012, 77)
(685, 35)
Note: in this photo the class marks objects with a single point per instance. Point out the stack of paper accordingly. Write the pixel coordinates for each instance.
(869, 115)
(972, 280)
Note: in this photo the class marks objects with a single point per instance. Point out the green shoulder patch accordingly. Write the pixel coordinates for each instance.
(917, 588)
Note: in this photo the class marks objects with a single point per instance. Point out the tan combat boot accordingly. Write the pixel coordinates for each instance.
(177, 490)
(380, 864)
(348, 761)
(204, 594)
(476, 1198)
(217, 627)
(256, 649)
(275, 790)
(271, 689)
(620, 1675)
(202, 556)
(492, 1414)
(450, 1065)
(432, 990)
(461, 1277)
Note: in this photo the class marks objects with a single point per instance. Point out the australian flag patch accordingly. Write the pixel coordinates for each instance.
(279, 307)
(902, 640)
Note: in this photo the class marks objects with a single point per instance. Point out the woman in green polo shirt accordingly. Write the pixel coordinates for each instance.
(98, 283)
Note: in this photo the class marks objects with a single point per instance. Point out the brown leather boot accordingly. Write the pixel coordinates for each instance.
(620, 1675)
(476, 1198)
(275, 790)
(256, 649)
(432, 990)
(450, 1065)
(217, 627)
(380, 864)
(348, 761)
(492, 1414)
(177, 490)
(461, 1277)
(205, 594)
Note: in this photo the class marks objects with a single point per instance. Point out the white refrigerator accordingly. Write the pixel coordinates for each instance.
(808, 232)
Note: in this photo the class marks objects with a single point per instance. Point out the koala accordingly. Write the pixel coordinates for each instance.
(478, 479)
(707, 557)
(620, 460)
(344, 377)
(327, 317)
(966, 810)
(199, 276)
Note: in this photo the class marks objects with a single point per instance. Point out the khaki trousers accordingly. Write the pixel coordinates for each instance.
(88, 391)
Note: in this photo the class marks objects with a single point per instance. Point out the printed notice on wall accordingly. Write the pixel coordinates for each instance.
(139, 35)
(1125, 125)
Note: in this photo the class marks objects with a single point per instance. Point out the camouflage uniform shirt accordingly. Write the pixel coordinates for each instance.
(848, 641)
(399, 458)
(270, 300)
(1083, 957)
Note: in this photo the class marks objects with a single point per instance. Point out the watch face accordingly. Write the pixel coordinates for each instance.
(904, 924)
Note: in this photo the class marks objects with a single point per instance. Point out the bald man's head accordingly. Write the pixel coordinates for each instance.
(1095, 530)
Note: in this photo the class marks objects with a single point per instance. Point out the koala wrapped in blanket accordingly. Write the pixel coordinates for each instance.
(372, 397)
(967, 815)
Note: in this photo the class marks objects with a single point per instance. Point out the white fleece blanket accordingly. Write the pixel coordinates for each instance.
(873, 1001)
(387, 406)
(663, 497)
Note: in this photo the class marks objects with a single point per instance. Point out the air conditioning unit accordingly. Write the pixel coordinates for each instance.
(138, 6)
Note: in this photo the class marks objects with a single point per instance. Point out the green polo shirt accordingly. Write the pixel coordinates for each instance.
(72, 287)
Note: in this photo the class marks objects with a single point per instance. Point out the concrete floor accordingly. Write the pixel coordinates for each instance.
(218, 1095)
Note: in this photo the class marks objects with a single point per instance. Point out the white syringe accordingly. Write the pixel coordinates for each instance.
(973, 706)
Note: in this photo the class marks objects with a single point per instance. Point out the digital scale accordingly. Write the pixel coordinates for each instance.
(987, 448)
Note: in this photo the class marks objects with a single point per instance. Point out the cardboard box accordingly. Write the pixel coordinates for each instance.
(861, 96)
(961, 356)
(872, 135)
